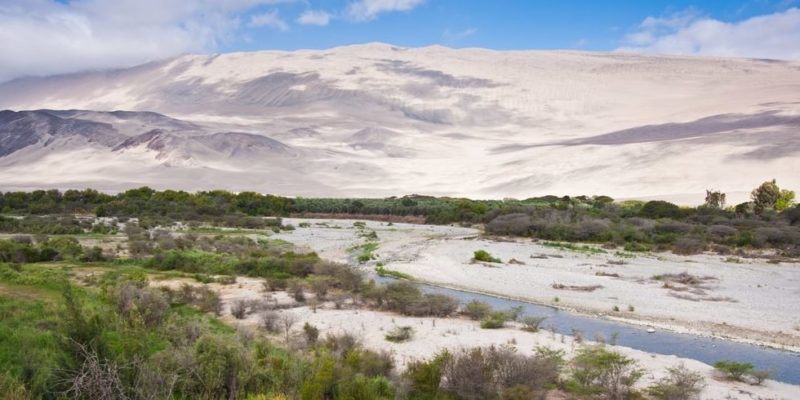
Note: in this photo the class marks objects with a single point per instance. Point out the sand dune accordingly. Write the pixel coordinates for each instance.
(375, 120)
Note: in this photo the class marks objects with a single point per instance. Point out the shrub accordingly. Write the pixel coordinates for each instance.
(311, 333)
(733, 370)
(597, 370)
(660, 209)
(208, 300)
(438, 305)
(425, 377)
(141, 305)
(759, 376)
(484, 256)
(400, 334)
(269, 321)
(679, 384)
(688, 246)
(239, 309)
(741, 372)
(532, 324)
(486, 373)
(495, 320)
(477, 310)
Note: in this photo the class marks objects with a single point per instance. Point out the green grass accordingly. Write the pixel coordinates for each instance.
(366, 251)
(384, 272)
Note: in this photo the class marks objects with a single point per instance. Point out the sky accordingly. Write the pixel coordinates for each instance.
(44, 37)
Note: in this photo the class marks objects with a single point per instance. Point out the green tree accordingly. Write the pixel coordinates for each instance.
(765, 196)
(785, 200)
(715, 199)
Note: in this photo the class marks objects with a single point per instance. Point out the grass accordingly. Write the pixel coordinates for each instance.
(384, 272)
(366, 251)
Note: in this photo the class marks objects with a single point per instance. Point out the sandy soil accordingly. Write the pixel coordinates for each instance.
(741, 299)
(431, 335)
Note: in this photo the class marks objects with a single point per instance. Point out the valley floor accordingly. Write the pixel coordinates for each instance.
(740, 299)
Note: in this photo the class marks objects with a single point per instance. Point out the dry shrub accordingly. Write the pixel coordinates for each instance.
(485, 373)
(577, 288)
(688, 246)
(96, 378)
(679, 384)
(270, 321)
(141, 305)
(239, 309)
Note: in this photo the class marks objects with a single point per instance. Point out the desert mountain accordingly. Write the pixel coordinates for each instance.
(375, 120)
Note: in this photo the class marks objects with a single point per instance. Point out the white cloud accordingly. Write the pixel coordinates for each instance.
(767, 36)
(42, 37)
(270, 19)
(314, 17)
(365, 10)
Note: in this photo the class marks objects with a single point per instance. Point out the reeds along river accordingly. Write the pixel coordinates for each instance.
(785, 365)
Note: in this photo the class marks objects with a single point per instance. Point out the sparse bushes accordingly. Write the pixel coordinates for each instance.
(406, 298)
(486, 373)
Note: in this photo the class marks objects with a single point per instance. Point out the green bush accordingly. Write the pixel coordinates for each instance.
(733, 370)
(495, 320)
(484, 256)
(477, 310)
(597, 370)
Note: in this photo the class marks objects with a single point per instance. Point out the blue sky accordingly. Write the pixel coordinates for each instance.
(43, 37)
(510, 24)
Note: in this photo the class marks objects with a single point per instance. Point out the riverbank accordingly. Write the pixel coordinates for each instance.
(746, 300)
(432, 335)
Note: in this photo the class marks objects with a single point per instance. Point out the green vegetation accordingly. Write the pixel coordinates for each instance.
(496, 320)
(599, 371)
(574, 247)
(366, 251)
(477, 310)
(741, 372)
(771, 220)
(484, 256)
(385, 272)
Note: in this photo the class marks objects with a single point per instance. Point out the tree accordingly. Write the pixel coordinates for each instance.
(715, 199)
(765, 196)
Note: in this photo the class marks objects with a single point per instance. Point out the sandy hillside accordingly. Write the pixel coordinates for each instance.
(376, 120)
